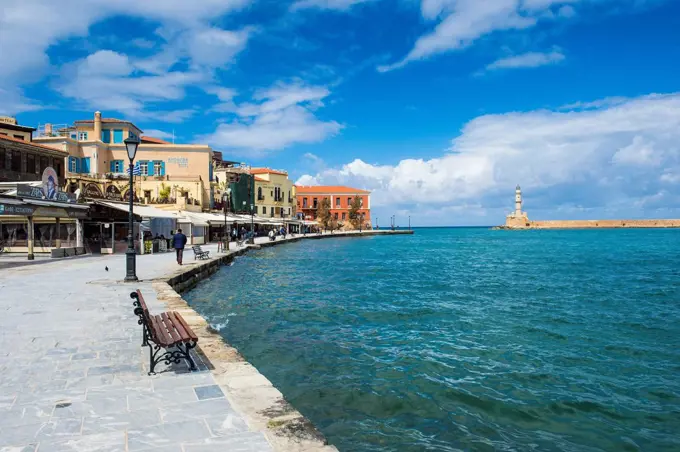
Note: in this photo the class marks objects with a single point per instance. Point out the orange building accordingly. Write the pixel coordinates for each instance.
(309, 197)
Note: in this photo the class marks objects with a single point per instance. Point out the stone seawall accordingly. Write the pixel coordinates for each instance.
(251, 393)
(590, 224)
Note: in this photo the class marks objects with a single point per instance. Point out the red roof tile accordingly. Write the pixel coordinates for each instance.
(146, 139)
(267, 171)
(328, 189)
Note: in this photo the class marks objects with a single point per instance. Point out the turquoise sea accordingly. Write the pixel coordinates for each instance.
(466, 338)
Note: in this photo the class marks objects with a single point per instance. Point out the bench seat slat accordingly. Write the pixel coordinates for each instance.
(169, 328)
(189, 332)
(161, 331)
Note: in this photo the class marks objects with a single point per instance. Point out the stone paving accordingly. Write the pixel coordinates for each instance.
(73, 376)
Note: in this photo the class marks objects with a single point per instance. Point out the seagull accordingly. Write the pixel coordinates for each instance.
(106, 268)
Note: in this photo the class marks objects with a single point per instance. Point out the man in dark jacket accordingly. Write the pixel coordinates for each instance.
(178, 242)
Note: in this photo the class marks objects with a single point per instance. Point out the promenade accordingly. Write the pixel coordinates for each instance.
(74, 377)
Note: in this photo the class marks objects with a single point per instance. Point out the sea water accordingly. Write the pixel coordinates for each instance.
(466, 339)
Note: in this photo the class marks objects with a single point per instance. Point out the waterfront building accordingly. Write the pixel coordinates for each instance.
(177, 175)
(10, 128)
(235, 176)
(309, 197)
(274, 193)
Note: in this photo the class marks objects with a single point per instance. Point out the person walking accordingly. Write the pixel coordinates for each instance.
(179, 240)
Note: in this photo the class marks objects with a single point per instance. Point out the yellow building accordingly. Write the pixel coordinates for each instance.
(176, 174)
(274, 193)
(10, 128)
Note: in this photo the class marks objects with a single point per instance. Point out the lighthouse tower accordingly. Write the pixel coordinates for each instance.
(517, 219)
(518, 202)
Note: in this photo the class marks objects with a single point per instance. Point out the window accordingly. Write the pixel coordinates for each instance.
(344, 216)
(16, 161)
(132, 135)
(74, 136)
(82, 136)
(337, 202)
(264, 210)
(316, 202)
(117, 166)
(336, 215)
(158, 169)
(144, 167)
(73, 164)
(349, 202)
(259, 194)
(304, 203)
(85, 165)
(361, 202)
(106, 136)
(44, 163)
(2, 158)
(19, 137)
(118, 135)
(57, 168)
(30, 163)
(289, 211)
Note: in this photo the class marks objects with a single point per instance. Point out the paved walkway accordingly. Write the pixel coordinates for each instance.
(73, 374)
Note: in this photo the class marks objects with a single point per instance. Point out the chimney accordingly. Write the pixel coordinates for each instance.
(48, 129)
(97, 125)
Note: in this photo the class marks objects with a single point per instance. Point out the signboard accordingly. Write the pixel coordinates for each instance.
(113, 193)
(8, 120)
(12, 209)
(49, 190)
(92, 191)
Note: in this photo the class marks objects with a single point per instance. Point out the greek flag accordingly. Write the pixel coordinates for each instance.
(137, 170)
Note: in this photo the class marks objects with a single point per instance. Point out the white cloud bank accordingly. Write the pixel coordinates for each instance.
(461, 22)
(280, 116)
(623, 155)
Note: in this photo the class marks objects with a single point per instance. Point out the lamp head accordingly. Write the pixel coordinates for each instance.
(131, 144)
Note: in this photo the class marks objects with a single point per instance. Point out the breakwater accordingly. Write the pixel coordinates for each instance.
(253, 395)
(592, 224)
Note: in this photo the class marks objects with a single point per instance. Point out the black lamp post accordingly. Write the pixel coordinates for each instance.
(252, 224)
(225, 199)
(131, 144)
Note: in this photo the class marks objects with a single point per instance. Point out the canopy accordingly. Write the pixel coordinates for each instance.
(211, 218)
(139, 210)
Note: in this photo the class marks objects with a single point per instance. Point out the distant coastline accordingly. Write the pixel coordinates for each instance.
(520, 220)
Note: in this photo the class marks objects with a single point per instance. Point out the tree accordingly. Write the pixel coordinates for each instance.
(164, 192)
(323, 212)
(354, 214)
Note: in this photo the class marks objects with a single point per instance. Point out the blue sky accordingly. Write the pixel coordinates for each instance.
(440, 107)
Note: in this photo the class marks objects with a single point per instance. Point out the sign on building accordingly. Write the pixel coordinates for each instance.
(49, 191)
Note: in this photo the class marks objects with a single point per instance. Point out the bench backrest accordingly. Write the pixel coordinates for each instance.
(142, 311)
(197, 248)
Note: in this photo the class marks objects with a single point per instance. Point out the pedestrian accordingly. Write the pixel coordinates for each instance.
(179, 240)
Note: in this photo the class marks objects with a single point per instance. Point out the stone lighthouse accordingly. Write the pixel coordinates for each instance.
(517, 219)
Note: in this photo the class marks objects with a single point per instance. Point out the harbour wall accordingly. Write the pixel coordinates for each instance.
(590, 224)
(250, 392)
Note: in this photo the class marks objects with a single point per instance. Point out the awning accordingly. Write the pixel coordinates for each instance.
(209, 218)
(140, 211)
(193, 221)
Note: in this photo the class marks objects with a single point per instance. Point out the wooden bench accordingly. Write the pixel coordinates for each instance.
(167, 331)
(199, 253)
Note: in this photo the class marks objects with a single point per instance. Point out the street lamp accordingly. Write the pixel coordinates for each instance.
(225, 199)
(131, 144)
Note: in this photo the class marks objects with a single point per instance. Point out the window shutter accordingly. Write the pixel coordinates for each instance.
(163, 168)
(77, 165)
(112, 166)
(149, 168)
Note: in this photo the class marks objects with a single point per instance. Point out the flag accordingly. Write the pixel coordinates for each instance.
(136, 171)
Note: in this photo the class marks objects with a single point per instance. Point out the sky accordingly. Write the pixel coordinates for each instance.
(439, 107)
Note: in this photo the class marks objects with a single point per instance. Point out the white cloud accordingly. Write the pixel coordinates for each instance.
(29, 27)
(340, 5)
(281, 116)
(608, 156)
(214, 47)
(106, 80)
(527, 60)
(464, 21)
